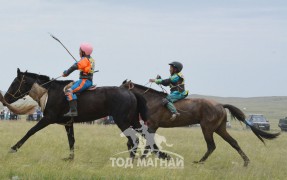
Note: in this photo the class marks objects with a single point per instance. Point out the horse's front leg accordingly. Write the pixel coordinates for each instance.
(152, 146)
(40, 125)
(70, 133)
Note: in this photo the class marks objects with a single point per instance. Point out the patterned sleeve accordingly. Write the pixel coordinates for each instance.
(72, 68)
(174, 78)
(165, 82)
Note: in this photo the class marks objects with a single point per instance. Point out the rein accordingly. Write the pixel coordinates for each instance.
(148, 88)
(50, 81)
(163, 90)
(131, 86)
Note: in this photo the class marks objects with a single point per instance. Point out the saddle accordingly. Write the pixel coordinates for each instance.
(93, 87)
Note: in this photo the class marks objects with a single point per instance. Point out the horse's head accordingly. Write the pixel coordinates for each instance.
(20, 86)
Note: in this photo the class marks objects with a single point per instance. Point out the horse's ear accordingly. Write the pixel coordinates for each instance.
(131, 83)
(18, 71)
(125, 81)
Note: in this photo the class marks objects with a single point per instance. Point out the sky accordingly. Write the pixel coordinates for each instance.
(229, 48)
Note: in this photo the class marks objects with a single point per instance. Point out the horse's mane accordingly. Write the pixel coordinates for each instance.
(46, 78)
(63, 82)
(36, 76)
(150, 90)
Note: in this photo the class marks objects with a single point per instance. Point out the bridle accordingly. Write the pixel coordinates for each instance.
(18, 90)
(22, 81)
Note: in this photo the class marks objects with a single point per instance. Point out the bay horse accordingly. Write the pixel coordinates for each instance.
(118, 102)
(211, 116)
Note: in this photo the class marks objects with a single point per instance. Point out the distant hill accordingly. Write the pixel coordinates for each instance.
(273, 107)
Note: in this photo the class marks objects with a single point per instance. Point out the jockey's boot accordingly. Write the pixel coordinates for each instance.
(173, 111)
(174, 115)
(73, 109)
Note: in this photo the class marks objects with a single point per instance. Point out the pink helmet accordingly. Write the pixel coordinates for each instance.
(87, 48)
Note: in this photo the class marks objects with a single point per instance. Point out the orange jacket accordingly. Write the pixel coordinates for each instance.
(84, 65)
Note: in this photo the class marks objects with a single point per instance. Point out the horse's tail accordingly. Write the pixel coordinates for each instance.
(141, 106)
(2, 99)
(239, 115)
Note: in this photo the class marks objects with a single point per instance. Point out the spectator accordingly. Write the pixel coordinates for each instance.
(11, 116)
(39, 114)
(2, 115)
(109, 120)
(30, 117)
(7, 114)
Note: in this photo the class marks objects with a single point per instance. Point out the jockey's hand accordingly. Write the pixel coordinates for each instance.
(152, 80)
(65, 74)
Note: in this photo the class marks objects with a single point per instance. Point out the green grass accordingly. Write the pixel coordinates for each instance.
(41, 156)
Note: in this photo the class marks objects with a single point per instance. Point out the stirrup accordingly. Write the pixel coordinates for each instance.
(71, 114)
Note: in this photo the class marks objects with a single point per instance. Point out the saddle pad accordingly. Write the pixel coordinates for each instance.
(93, 87)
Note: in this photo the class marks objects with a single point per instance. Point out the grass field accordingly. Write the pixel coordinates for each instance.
(41, 156)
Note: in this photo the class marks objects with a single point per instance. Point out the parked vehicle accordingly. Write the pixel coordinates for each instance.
(258, 121)
(283, 124)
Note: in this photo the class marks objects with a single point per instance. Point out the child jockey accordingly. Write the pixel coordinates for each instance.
(86, 66)
(176, 83)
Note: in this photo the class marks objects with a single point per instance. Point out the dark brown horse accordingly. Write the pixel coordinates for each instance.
(120, 103)
(209, 114)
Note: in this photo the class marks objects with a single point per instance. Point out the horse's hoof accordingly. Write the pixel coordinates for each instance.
(70, 158)
(246, 163)
(132, 158)
(162, 155)
(198, 162)
(12, 150)
(132, 154)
